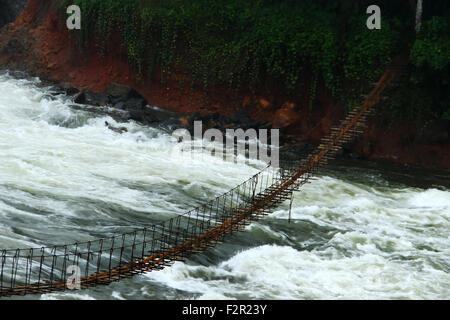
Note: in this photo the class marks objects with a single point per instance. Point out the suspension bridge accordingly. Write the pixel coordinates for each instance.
(103, 261)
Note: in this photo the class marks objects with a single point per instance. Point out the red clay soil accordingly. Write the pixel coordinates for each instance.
(39, 43)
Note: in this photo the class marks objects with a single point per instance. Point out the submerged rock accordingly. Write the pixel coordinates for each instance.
(120, 92)
(91, 98)
(241, 116)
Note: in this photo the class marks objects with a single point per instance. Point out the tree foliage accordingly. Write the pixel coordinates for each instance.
(246, 44)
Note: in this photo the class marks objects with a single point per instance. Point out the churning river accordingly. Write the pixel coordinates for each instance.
(362, 230)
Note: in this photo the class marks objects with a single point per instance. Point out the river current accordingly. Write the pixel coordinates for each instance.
(361, 230)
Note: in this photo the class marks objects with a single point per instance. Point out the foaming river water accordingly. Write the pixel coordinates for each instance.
(359, 231)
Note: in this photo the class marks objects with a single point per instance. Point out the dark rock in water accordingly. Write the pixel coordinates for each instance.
(96, 99)
(68, 89)
(91, 98)
(139, 116)
(17, 74)
(137, 110)
(171, 124)
(284, 118)
(119, 105)
(210, 117)
(437, 132)
(242, 116)
(80, 98)
(76, 107)
(134, 104)
(116, 100)
(118, 90)
(87, 108)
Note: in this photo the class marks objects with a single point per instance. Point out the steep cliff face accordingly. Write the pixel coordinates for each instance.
(10, 10)
(38, 42)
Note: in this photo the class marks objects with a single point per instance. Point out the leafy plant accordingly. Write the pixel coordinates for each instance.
(251, 44)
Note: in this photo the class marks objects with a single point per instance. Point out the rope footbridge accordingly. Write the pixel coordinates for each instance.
(103, 261)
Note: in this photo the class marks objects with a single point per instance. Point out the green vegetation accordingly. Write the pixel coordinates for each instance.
(426, 94)
(256, 43)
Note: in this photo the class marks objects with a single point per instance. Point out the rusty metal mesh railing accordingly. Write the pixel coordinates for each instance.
(103, 261)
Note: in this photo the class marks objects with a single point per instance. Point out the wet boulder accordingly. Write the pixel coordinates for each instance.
(68, 89)
(134, 104)
(242, 116)
(96, 99)
(118, 90)
(136, 108)
(10, 10)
